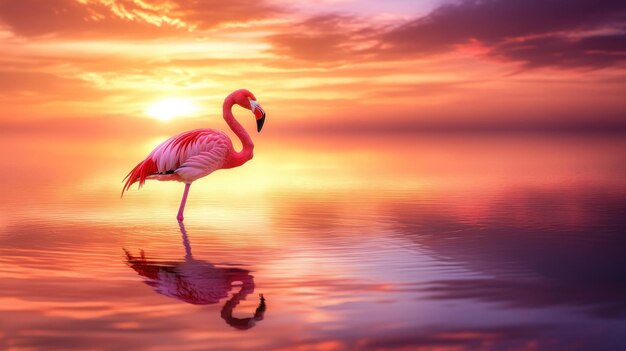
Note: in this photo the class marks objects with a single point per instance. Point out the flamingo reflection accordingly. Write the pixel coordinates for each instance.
(199, 282)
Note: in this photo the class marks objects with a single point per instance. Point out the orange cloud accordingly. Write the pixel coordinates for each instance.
(323, 38)
(454, 68)
(125, 18)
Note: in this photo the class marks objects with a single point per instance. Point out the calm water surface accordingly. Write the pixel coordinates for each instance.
(411, 243)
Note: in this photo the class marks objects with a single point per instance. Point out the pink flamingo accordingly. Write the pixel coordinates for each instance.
(197, 153)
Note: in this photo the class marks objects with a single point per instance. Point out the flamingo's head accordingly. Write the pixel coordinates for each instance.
(246, 99)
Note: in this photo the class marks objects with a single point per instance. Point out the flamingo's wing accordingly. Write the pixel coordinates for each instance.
(204, 163)
(187, 157)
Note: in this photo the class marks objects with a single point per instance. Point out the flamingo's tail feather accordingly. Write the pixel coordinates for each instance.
(140, 173)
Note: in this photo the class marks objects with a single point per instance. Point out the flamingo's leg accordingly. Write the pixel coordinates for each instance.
(183, 202)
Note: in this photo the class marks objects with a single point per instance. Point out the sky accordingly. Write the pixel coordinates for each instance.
(89, 87)
(344, 66)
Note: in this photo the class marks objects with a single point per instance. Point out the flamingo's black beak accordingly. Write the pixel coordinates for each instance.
(259, 114)
(259, 123)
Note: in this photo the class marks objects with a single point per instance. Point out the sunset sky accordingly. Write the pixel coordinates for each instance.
(421, 163)
(319, 65)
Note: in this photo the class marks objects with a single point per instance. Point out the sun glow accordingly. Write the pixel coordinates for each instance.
(167, 109)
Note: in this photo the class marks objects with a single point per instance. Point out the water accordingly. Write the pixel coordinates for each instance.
(418, 242)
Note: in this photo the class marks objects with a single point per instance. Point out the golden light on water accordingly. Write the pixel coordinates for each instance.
(170, 108)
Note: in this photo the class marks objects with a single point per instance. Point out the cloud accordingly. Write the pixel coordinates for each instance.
(30, 86)
(493, 21)
(596, 51)
(31, 18)
(565, 34)
(559, 33)
(214, 12)
(32, 81)
(124, 18)
(323, 38)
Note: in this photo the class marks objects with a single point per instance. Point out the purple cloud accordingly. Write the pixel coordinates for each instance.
(535, 33)
(555, 33)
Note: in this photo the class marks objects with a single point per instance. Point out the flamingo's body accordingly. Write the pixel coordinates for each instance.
(197, 153)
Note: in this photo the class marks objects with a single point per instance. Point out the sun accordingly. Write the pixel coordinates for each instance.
(167, 109)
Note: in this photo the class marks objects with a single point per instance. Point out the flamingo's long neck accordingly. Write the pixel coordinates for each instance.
(237, 158)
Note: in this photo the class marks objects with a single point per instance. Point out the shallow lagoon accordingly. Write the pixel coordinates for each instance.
(442, 242)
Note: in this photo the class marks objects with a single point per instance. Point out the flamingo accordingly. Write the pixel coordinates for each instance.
(197, 153)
